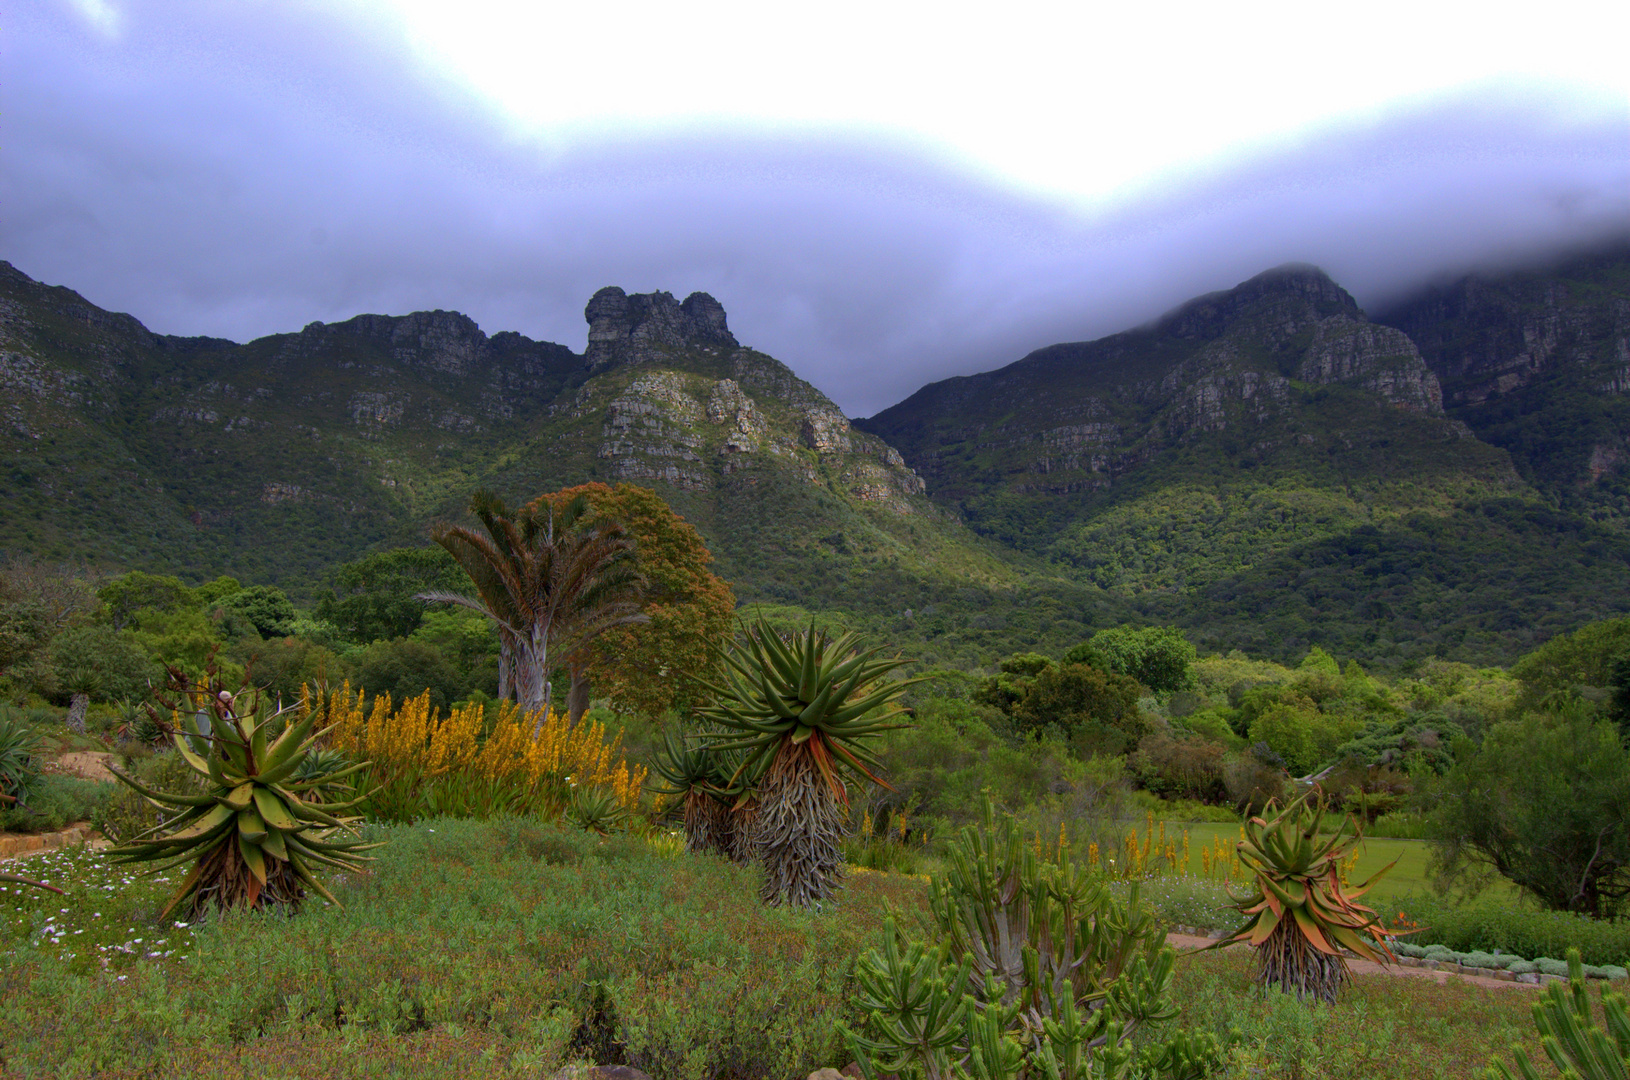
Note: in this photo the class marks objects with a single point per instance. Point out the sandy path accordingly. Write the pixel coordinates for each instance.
(87, 764)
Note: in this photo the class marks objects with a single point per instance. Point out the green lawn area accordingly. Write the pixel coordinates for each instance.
(1409, 876)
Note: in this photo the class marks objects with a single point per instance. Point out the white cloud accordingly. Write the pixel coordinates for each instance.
(1083, 102)
(100, 15)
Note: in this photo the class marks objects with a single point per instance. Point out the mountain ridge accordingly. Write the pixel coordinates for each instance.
(1265, 465)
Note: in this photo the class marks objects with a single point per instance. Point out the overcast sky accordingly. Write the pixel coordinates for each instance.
(880, 195)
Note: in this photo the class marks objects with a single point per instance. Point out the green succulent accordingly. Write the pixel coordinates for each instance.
(806, 690)
(701, 776)
(596, 810)
(1034, 971)
(797, 712)
(19, 760)
(255, 837)
(323, 775)
(1301, 916)
(1570, 1037)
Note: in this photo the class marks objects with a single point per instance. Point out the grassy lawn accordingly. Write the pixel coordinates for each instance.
(1408, 877)
(503, 949)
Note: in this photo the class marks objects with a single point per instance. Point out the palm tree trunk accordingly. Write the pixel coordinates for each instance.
(506, 664)
(577, 699)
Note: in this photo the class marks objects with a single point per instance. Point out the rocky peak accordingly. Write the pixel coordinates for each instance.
(1291, 296)
(645, 327)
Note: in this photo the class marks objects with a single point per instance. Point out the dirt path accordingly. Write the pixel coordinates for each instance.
(1185, 943)
(86, 764)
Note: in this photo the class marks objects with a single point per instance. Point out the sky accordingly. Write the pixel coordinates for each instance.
(880, 194)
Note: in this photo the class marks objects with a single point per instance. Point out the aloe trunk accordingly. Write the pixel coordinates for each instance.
(796, 836)
(1289, 962)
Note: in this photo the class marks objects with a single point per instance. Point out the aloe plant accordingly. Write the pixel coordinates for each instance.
(701, 776)
(595, 810)
(1568, 1034)
(257, 836)
(798, 711)
(1301, 916)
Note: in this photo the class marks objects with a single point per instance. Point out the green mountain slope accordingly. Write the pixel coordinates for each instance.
(277, 459)
(1271, 469)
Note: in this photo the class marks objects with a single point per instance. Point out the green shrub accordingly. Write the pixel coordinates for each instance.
(55, 803)
(1488, 925)
(1398, 825)
(19, 760)
(124, 813)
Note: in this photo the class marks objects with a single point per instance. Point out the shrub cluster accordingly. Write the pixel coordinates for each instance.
(1489, 925)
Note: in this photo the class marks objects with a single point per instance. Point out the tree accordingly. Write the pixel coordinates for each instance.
(404, 669)
(377, 597)
(95, 662)
(652, 666)
(1159, 657)
(129, 593)
(1012, 681)
(266, 606)
(1096, 710)
(1545, 804)
(551, 581)
(1570, 661)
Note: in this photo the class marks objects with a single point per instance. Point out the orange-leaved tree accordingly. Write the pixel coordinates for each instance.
(647, 667)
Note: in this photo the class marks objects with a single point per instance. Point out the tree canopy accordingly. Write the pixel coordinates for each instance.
(651, 667)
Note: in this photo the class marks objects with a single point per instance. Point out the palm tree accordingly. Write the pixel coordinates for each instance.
(549, 585)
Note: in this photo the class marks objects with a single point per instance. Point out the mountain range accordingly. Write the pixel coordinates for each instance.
(1268, 466)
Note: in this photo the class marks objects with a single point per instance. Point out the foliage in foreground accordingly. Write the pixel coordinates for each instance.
(1034, 970)
(1568, 1034)
(253, 837)
(528, 943)
(1301, 916)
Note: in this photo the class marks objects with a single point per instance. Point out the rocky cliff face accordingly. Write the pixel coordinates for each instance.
(681, 403)
(302, 449)
(648, 327)
(1536, 361)
(1071, 418)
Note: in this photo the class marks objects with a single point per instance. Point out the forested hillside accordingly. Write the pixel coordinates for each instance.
(1266, 466)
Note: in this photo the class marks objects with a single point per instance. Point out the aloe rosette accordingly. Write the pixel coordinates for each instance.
(1301, 916)
(700, 776)
(254, 832)
(797, 711)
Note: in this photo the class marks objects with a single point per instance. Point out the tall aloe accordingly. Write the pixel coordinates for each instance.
(1301, 916)
(798, 711)
(701, 776)
(255, 835)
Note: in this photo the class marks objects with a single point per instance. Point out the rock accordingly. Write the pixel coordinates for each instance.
(825, 431)
(644, 327)
(827, 1073)
(600, 1072)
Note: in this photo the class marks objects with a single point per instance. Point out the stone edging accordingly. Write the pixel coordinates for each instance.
(1412, 961)
(14, 846)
